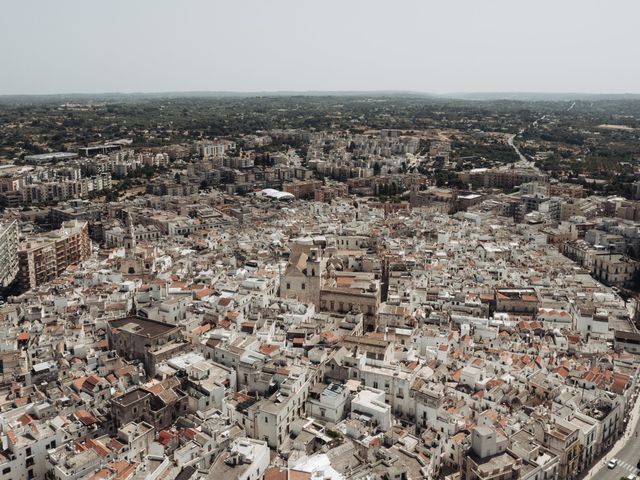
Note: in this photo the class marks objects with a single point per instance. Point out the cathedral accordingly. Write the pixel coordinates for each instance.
(138, 260)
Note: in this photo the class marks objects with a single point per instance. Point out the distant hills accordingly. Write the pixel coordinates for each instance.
(214, 94)
(472, 96)
(537, 96)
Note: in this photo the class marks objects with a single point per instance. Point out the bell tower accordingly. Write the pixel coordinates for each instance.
(314, 276)
(130, 234)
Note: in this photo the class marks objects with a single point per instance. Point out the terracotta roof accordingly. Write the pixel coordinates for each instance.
(157, 388)
(274, 473)
(124, 469)
(25, 419)
(165, 436)
(268, 348)
(115, 445)
(85, 417)
(78, 382)
(203, 292)
(328, 337)
(128, 370)
(201, 329)
(190, 433)
(98, 447)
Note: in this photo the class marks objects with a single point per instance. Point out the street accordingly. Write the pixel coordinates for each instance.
(628, 456)
(524, 162)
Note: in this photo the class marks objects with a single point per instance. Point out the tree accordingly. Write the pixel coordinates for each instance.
(111, 196)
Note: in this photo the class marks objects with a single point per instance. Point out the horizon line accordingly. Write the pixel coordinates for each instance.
(326, 92)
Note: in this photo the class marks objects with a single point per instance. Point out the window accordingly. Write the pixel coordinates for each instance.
(288, 286)
(303, 286)
(266, 419)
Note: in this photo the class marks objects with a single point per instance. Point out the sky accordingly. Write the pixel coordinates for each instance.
(443, 46)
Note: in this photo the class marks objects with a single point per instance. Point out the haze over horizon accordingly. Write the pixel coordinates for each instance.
(250, 46)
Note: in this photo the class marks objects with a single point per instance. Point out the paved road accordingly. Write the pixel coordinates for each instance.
(628, 456)
(524, 162)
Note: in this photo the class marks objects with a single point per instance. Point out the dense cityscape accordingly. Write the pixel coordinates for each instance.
(337, 240)
(365, 286)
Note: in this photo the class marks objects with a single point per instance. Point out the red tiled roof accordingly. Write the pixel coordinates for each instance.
(164, 437)
(25, 419)
(85, 417)
(99, 448)
(115, 445)
(268, 348)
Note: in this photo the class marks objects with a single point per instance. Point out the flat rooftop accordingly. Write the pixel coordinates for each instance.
(499, 462)
(142, 326)
(132, 396)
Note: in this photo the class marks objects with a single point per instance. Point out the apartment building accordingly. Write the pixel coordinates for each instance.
(302, 188)
(495, 178)
(616, 270)
(8, 252)
(45, 257)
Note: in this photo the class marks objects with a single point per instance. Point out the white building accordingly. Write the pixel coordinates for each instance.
(330, 404)
(246, 459)
(369, 404)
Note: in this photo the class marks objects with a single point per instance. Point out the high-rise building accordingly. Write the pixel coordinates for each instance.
(8, 252)
(43, 258)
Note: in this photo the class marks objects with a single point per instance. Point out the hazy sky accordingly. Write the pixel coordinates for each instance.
(64, 46)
